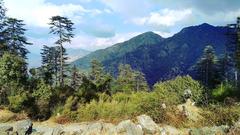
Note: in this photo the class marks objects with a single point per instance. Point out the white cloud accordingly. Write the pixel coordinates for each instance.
(163, 18)
(91, 43)
(38, 12)
(128, 8)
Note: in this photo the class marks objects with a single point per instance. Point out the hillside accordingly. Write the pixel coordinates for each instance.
(160, 58)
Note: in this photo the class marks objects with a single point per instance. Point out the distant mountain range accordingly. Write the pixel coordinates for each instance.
(34, 59)
(157, 57)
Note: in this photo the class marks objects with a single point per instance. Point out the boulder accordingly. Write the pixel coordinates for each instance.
(5, 129)
(190, 111)
(42, 130)
(23, 127)
(147, 124)
(74, 129)
(58, 131)
(126, 127)
(169, 130)
(94, 129)
(220, 130)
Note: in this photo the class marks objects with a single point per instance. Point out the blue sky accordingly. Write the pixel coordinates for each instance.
(101, 23)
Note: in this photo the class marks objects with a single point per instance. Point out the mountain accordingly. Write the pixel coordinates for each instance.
(34, 58)
(160, 58)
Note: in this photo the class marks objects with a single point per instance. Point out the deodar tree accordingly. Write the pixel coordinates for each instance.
(63, 28)
(14, 37)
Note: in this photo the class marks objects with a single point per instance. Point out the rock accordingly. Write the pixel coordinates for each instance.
(147, 124)
(235, 129)
(5, 129)
(94, 129)
(169, 130)
(23, 127)
(126, 127)
(58, 131)
(189, 110)
(42, 130)
(221, 130)
(74, 129)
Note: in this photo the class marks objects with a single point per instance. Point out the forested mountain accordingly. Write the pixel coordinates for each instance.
(160, 58)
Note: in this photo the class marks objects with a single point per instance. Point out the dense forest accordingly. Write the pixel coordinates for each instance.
(60, 90)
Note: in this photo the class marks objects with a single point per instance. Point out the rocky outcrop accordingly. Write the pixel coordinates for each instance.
(148, 125)
(143, 125)
(23, 127)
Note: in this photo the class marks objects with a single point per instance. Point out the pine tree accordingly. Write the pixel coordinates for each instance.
(237, 52)
(99, 77)
(14, 37)
(2, 15)
(51, 63)
(130, 80)
(140, 82)
(97, 72)
(206, 68)
(62, 27)
(225, 65)
(48, 54)
(75, 78)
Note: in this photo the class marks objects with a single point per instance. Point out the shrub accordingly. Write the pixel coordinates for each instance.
(220, 115)
(42, 98)
(222, 91)
(172, 91)
(16, 103)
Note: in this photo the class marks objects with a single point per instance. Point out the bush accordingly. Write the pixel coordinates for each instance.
(222, 91)
(109, 110)
(42, 98)
(176, 88)
(16, 103)
(220, 115)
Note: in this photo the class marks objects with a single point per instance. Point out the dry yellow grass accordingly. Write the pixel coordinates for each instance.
(6, 115)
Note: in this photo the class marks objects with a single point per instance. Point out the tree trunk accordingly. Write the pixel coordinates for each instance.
(61, 68)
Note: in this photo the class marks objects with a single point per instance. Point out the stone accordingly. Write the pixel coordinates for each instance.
(169, 130)
(189, 110)
(217, 130)
(5, 129)
(58, 131)
(42, 130)
(147, 124)
(94, 129)
(126, 127)
(23, 127)
(74, 129)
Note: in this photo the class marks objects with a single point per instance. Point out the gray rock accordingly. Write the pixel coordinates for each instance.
(5, 129)
(23, 127)
(74, 129)
(126, 127)
(221, 130)
(94, 129)
(169, 130)
(147, 124)
(58, 131)
(42, 130)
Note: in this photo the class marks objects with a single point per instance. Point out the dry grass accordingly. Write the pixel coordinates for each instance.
(6, 116)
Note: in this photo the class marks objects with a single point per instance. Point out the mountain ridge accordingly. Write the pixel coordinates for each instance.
(160, 58)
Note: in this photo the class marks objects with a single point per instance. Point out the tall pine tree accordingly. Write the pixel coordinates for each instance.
(62, 27)
(207, 68)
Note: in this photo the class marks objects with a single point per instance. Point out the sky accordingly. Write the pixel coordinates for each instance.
(102, 23)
